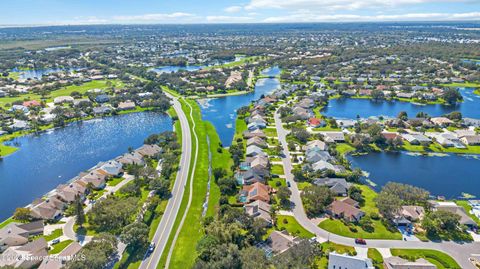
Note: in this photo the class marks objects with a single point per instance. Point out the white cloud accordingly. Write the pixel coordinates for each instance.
(338, 4)
(314, 17)
(233, 9)
(156, 17)
(229, 19)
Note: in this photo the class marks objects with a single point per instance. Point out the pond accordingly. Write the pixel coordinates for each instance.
(56, 156)
(449, 175)
(349, 108)
(176, 68)
(38, 73)
(221, 112)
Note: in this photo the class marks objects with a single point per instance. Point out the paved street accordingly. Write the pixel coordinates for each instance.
(168, 219)
(461, 252)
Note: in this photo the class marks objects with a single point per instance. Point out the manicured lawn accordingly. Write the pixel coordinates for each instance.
(55, 234)
(440, 259)
(376, 257)
(273, 182)
(303, 185)
(463, 85)
(277, 169)
(184, 252)
(380, 230)
(115, 181)
(344, 149)
(6, 150)
(328, 247)
(6, 222)
(59, 247)
(271, 132)
(290, 224)
(438, 148)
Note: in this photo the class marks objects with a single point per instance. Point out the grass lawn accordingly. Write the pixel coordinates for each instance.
(115, 181)
(290, 224)
(277, 169)
(380, 230)
(184, 253)
(303, 185)
(59, 247)
(463, 85)
(344, 149)
(271, 132)
(328, 247)
(273, 182)
(83, 88)
(440, 259)
(376, 257)
(6, 222)
(6, 150)
(55, 234)
(438, 148)
(477, 91)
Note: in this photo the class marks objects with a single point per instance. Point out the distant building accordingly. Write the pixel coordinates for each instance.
(344, 261)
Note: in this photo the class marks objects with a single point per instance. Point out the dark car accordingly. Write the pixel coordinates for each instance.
(360, 241)
(288, 184)
(151, 248)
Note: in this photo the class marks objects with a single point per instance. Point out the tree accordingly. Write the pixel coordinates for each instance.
(97, 253)
(218, 173)
(452, 96)
(301, 135)
(259, 228)
(112, 214)
(388, 204)
(441, 221)
(22, 214)
(367, 224)
(302, 255)
(402, 115)
(161, 187)
(79, 213)
(355, 193)
(316, 198)
(135, 235)
(377, 95)
(254, 259)
(283, 194)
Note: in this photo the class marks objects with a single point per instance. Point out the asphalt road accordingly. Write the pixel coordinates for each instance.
(461, 252)
(168, 219)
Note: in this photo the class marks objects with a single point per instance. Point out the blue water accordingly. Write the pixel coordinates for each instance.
(448, 176)
(271, 72)
(38, 73)
(468, 61)
(221, 112)
(174, 69)
(54, 157)
(349, 108)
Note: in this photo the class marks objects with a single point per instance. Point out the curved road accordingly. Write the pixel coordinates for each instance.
(461, 252)
(168, 219)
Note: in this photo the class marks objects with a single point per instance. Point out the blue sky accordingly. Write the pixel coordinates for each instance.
(54, 12)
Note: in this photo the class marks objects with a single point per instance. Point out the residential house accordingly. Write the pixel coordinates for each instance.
(471, 140)
(32, 254)
(127, 105)
(441, 121)
(102, 98)
(101, 110)
(148, 150)
(131, 158)
(395, 262)
(302, 113)
(17, 234)
(340, 209)
(95, 178)
(254, 192)
(253, 150)
(306, 103)
(315, 144)
(322, 166)
(257, 141)
(62, 258)
(465, 219)
(69, 192)
(259, 210)
(21, 108)
(346, 123)
(415, 139)
(18, 125)
(279, 242)
(31, 103)
(48, 209)
(316, 123)
(62, 99)
(338, 185)
(333, 137)
(112, 168)
(344, 261)
(258, 133)
(313, 156)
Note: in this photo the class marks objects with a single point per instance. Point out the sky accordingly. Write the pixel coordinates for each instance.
(62, 12)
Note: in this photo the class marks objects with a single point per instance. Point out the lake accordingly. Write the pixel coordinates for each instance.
(349, 108)
(38, 73)
(448, 175)
(56, 156)
(176, 68)
(221, 112)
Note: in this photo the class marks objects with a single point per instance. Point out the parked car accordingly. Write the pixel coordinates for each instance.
(288, 184)
(55, 241)
(360, 241)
